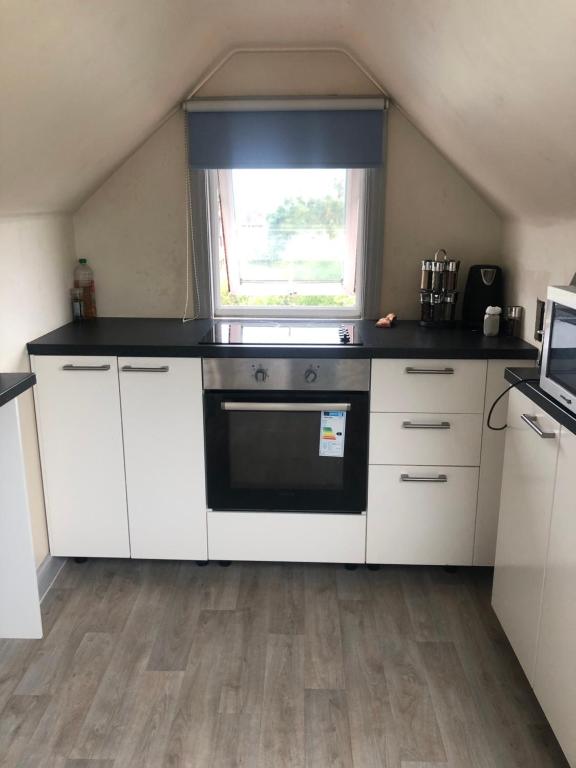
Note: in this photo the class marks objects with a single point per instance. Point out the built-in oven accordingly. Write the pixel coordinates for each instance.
(286, 434)
(558, 371)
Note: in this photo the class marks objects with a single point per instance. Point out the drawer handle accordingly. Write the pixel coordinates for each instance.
(438, 371)
(532, 422)
(423, 478)
(424, 425)
(70, 367)
(144, 369)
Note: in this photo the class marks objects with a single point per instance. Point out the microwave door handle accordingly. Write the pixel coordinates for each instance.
(229, 405)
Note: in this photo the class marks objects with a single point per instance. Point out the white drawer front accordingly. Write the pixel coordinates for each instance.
(424, 438)
(287, 536)
(428, 386)
(421, 522)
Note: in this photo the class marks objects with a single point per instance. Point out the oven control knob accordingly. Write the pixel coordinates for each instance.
(310, 376)
(261, 375)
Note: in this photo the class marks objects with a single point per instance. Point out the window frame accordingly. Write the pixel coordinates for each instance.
(220, 311)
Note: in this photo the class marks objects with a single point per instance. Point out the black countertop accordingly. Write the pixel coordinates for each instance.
(13, 384)
(542, 399)
(148, 337)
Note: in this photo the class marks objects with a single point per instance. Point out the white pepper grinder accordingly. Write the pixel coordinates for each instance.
(492, 321)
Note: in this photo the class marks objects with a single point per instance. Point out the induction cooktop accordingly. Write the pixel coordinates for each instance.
(283, 334)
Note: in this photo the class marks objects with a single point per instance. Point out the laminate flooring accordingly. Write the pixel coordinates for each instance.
(153, 664)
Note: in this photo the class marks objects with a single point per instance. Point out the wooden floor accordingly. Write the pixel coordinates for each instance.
(266, 666)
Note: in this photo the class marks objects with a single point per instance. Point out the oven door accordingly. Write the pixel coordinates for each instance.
(266, 451)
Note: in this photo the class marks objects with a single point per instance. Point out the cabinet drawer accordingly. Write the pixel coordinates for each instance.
(428, 386)
(287, 537)
(424, 438)
(421, 515)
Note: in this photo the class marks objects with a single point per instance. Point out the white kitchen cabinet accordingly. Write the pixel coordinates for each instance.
(491, 461)
(164, 455)
(19, 600)
(421, 515)
(428, 386)
(426, 438)
(555, 678)
(80, 429)
(523, 530)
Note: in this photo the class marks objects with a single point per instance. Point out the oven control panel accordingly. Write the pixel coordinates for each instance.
(286, 374)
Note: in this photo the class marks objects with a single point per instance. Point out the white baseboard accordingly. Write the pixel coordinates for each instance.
(47, 572)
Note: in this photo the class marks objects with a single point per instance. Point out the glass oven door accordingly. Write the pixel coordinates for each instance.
(296, 451)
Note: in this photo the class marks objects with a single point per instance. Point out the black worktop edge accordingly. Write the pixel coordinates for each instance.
(14, 384)
(542, 399)
(206, 350)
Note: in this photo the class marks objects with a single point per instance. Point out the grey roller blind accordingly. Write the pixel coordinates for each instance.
(373, 241)
(329, 133)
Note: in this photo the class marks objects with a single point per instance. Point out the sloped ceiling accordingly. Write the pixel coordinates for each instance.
(490, 82)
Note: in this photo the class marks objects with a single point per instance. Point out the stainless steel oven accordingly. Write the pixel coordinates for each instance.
(286, 434)
(558, 371)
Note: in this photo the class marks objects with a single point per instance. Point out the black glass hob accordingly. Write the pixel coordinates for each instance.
(269, 333)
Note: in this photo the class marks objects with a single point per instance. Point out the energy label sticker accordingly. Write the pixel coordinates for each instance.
(332, 433)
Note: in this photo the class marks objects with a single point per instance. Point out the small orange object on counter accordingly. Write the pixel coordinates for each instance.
(386, 322)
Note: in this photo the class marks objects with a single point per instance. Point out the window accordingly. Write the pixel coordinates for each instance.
(286, 241)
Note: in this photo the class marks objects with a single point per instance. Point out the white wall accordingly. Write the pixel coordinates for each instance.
(133, 230)
(36, 262)
(429, 205)
(537, 255)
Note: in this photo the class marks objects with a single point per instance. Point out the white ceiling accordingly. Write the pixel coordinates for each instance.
(491, 82)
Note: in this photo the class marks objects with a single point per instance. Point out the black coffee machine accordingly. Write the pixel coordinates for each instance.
(484, 288)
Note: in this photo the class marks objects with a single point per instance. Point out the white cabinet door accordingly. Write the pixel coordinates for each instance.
(164, 453)
(523, 529)
(555, 679)
(79, 424)
(19, 601)
(421, 515)
(491, 461)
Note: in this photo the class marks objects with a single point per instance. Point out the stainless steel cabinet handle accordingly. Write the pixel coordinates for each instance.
(70, 367)
(440, 371)
(286, 407)
(145, 369)
(532, 422)
(424, 425)
(424, 478)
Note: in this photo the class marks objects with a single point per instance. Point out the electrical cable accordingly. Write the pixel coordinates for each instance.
(495, 403)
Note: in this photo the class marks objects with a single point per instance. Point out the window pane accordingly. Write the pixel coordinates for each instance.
(288, 238)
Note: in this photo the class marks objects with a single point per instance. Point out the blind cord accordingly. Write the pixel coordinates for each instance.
(495, 403)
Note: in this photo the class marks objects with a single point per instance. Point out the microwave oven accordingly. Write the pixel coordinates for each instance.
(558, 371)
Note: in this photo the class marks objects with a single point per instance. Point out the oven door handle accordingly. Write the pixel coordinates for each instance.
(229, 405)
